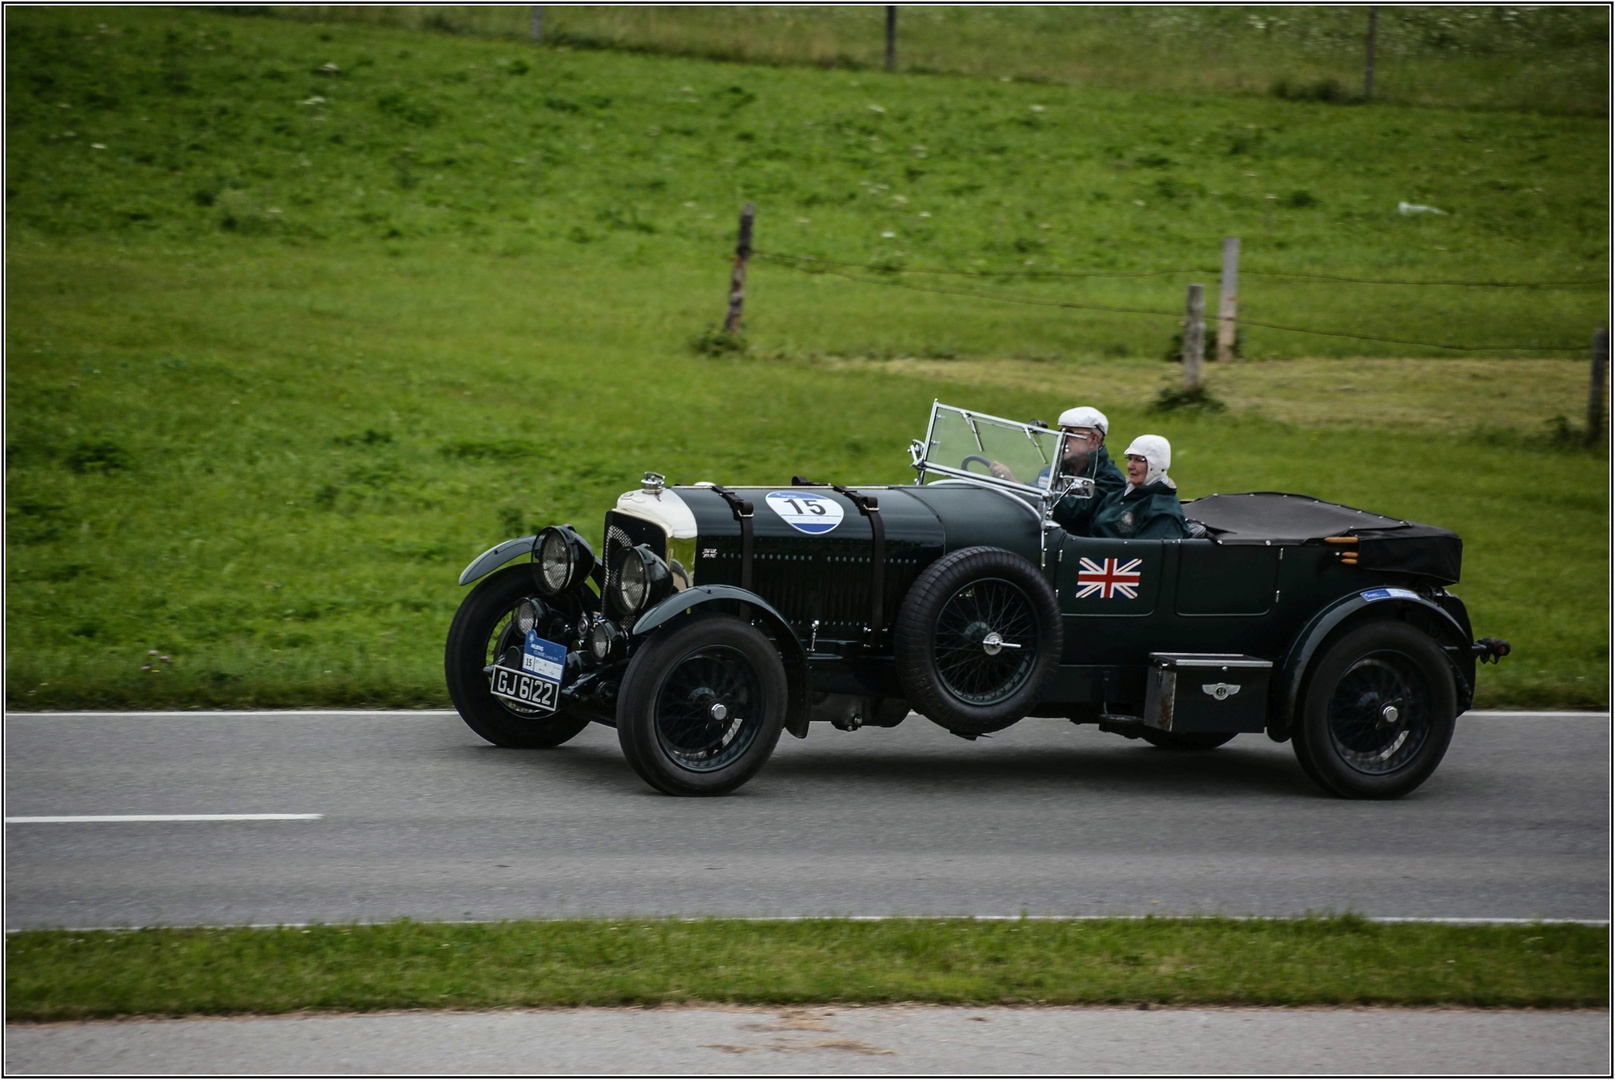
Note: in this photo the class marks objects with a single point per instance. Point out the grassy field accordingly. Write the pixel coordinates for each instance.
(301, 317)
(75, 975)
(1538, 58)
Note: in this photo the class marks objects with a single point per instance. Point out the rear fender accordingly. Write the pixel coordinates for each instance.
(735, 601)
(1382, 603)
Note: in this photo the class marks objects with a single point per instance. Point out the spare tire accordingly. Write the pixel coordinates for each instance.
(977, 640)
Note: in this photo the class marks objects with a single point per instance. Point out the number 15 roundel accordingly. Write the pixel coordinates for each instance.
(805, 511)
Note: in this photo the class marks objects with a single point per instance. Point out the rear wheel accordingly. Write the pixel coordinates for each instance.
(977, 640)
(1185, 740)
(1378, 713)
(483, 629)
(702, 706)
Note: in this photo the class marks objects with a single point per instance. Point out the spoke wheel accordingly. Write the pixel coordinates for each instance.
(986, 641)
(482, 630)
(702, 705)
(710, 709)
(1377, 713)
(977, 640)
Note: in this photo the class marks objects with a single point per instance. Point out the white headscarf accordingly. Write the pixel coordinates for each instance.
(1158, 452)
(1083, 416)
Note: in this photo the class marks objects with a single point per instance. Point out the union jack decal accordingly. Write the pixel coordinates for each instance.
(1109, 579)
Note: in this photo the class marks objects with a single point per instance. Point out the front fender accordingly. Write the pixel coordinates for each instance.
(495, 557)
(1287, 688)
(728, 597)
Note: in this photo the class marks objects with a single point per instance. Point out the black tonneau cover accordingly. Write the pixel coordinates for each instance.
(1384, 543)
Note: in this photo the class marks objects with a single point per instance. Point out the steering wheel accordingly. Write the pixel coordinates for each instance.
(965, 464)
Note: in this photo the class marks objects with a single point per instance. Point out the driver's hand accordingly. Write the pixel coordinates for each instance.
(1000, 470)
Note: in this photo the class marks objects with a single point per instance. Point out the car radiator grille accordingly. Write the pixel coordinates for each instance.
(811, 579)
(623, 531)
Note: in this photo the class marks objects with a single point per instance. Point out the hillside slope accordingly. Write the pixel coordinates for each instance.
(302, 317)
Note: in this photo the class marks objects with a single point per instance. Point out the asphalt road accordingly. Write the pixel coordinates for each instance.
(420, 818)
(902, 1041)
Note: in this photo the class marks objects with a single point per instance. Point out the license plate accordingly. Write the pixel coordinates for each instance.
(531, 690)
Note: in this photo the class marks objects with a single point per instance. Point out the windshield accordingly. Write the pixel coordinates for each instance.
(986, 447)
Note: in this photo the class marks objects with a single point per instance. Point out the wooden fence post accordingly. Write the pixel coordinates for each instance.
(891, 37)
(1194, 335)
(538, 23)
(1595, 388)
(1368, 70)
(1228, 300)
(737, 283)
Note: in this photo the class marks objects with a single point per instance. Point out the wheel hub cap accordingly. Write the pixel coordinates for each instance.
(984, 642)
(1379, 716)
(719, 711)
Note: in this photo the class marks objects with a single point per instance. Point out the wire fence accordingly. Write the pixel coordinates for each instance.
(982, 272)
(889, 276)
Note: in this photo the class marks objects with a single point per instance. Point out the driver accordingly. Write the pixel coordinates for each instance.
(1148, 508)
(1085, 455)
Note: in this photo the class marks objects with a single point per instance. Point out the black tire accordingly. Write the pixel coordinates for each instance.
(482, 629)
(945, 662)
(1377, 713)
(668, 721)
(1185, 740)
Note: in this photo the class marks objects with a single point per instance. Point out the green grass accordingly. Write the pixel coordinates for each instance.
(215, 127)
(278, 370)
(1538, 58)
(75, 975)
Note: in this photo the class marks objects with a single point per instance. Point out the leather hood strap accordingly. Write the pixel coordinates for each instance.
(869, 507)
(742, 509)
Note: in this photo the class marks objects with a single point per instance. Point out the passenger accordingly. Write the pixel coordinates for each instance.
(1085, 455)
(1147, 509)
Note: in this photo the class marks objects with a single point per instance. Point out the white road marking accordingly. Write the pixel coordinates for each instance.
(81, 819)
(1591, 713)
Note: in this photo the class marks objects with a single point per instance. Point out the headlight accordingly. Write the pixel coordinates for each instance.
(632, 583)
(529, 615)
(561, 560)
(603, 639)
(641, 578)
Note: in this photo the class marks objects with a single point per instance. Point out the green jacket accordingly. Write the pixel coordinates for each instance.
(1151, 512)
(1075, 514)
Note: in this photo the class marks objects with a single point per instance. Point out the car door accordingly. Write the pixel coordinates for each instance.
(1226, 579)
(1111, 596)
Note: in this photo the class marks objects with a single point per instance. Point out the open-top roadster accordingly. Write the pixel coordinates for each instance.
(717, 618)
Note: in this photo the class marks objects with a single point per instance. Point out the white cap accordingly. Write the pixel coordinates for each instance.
(1158, 452)
(1083, 416)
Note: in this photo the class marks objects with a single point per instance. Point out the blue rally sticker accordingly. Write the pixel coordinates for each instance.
(1386, 594)
(805, 511)
(543, 658)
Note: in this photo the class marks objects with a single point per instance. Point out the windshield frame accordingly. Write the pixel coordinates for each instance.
(919, 452)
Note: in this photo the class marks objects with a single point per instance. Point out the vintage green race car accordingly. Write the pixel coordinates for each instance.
(718, 618)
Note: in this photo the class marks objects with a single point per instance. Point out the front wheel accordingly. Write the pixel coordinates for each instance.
(702, 706)
(1378, 713)
(483, 629)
